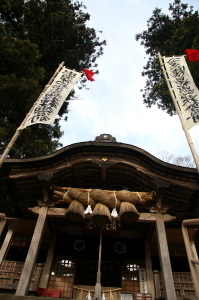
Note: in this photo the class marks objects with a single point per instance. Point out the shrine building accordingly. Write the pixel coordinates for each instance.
(99, 220)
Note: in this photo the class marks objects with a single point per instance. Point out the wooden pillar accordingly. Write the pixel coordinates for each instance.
(29, 265)
(149, 271)
(6, 244)
(37, 277)
(195, 256)
(49, 259)
(2, 222)
(157, 285)
(167, 275)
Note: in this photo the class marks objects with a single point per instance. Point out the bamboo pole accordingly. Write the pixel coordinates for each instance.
(20, 128)
(98, 289)
(175, 101)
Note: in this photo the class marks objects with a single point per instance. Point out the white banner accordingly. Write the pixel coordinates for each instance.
(186, 92)
(48, 105)
(143, 283)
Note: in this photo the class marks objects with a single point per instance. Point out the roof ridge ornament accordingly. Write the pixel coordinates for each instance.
(105, 137)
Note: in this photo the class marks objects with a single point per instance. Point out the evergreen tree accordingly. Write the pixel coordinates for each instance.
(35, 37)
(170, 35)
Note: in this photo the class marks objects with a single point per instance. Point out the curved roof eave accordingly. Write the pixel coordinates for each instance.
(82, 146)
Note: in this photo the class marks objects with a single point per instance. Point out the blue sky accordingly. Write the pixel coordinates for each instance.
(113, 104)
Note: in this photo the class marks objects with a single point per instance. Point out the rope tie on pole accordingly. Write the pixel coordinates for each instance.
(88, 210)
(141, 200)
(66, 191)
(114, 213)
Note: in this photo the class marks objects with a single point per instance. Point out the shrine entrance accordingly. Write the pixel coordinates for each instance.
(75, 264)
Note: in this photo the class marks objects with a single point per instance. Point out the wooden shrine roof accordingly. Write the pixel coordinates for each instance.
(99, 164)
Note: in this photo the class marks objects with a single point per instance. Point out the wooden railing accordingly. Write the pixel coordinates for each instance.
(183, 285)
(81, 292)
(109, 293)
(10, 272)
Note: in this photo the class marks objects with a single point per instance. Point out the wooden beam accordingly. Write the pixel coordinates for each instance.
(61, 213)
(167, 275)
(47, 267)
(29, 265)
(150, 217)
(6, 244)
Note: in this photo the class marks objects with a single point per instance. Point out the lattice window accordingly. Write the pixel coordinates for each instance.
(10, 272)
(62, 275)
(183, 283)
(9, 265)
(130, 276)
(63, 267)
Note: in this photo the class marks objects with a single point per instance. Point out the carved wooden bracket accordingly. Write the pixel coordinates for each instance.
(168, 218)
(52, 212)
(104, 164)
(160, 192)
(45, 178)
